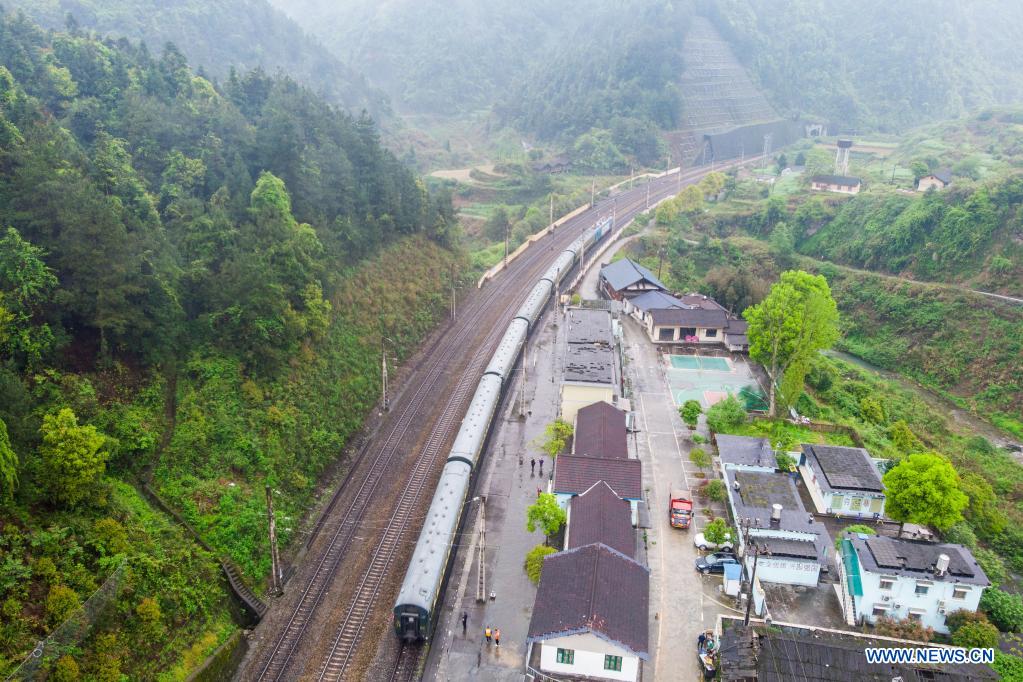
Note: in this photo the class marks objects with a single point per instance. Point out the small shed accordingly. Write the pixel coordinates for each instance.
(732, 580)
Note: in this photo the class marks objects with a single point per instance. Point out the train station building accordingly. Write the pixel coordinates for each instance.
(625, 279)
(592, 370)
(591, 615)
(575, 474)
(600, 431)
(600, 515)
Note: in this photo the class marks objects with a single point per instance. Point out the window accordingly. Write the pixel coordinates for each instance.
(710, 333)
(665, 334)
(880, 610)
(566, 656)
(613, 663)
(887, 584)
(855, 503)
(923, 587)
(960, 592)
(916, 614)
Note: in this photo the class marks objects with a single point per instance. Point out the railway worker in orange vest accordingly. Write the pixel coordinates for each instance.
(486, 633)
(497, 636)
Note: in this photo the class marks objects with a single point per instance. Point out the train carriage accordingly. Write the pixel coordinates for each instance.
(416, 607)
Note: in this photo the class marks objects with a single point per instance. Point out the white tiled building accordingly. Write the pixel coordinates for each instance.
(907, 579)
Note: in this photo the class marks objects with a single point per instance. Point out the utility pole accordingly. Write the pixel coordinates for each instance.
(750, 546)
(507, 227)
(593, 192)
(481, 584)
(632, 173)
(453, 298)
(275, 559)
(648, 195)
(679, 169)
(551, 221)
(522, 388)
(660, 261)
(614, 213)
(383, 372)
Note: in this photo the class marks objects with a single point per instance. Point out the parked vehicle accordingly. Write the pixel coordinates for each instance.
(680, 509)
(715, 563)
(704, 544)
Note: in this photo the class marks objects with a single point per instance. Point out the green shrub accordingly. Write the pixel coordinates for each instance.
(534, 561)
(784, 461)
(992, 564)
(715, 490)
(961, 534)
(150, 615)
(725, 414)
(112, 536)
(61, 602)
(976, 635)
(44, 569)
(65, 670)
(718, 532)
(699, 457)
(1003, 609)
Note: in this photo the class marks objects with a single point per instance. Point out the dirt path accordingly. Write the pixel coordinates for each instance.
(924, 283)
(464, 174)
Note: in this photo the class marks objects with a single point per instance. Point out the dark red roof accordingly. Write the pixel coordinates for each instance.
(574, 474)
(593, 589)
(600, 431)
(599, 515)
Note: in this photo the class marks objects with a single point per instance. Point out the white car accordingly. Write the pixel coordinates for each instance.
(704, 544)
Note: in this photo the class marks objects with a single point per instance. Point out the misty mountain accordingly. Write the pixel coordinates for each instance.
(216, 37)
(436, 56)
(875, 64)
(554, 71)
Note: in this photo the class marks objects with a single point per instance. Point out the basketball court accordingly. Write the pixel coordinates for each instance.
(710, 379)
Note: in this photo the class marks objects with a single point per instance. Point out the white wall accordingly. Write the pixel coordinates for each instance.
(827, 503)
(701, 333)
(574, 397)
(589, 657)
(903, 593)
(786, 571)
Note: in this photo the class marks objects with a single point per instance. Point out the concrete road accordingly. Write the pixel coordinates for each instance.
(682, 602)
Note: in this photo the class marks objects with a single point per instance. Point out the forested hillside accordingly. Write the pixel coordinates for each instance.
(217, 37)
(874, 64)
(193, 281)
(616, 71)
(968, 233)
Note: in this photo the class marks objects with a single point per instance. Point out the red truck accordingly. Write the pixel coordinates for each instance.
(680, 509)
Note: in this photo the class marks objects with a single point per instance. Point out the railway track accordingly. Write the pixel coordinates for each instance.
(350, 633)
(406, 667)
(493, 305)
(277, 663)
